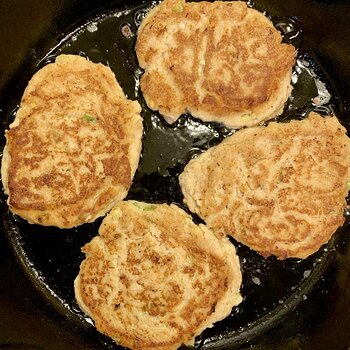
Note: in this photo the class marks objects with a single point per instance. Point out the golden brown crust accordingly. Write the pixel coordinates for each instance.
(279, 189)
(74, 146)
(153, 279)
(221, 61)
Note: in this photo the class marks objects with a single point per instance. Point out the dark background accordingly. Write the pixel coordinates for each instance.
(28, 29)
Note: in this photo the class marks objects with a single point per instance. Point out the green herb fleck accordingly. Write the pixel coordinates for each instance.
(348, 185)
(150, 208)
(137, 205)
(89, 118)
(178, 7)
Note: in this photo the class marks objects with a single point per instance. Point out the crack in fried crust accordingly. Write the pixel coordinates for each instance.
(278, 189)
(221, 61)
(153, 279)
(74, 146)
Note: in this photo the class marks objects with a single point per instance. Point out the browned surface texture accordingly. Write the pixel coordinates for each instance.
(220, 61)
(279, 189)
(153, 279)
(74, 146)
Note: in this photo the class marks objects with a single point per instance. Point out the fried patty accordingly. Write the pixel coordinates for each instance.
(153, 279)
(278, 189)
(221, 61)
(74, 145)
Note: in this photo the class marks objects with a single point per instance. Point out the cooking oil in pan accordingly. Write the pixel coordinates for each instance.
(270, 287)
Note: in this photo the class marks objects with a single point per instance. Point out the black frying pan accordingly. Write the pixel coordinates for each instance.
(288, 305)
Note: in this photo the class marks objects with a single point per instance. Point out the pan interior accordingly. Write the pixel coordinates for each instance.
(51, 257)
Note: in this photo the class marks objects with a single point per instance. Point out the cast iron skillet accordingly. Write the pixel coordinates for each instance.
(290, 304)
